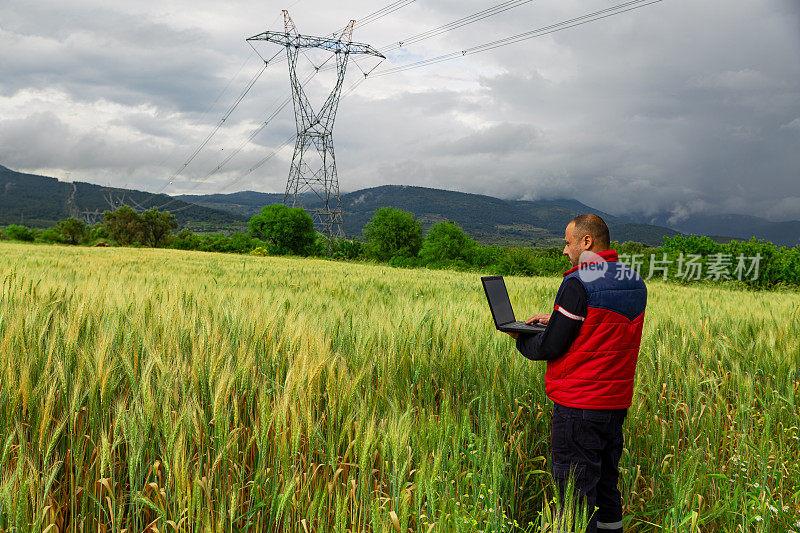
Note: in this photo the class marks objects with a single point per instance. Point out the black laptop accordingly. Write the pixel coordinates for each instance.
(500, 304)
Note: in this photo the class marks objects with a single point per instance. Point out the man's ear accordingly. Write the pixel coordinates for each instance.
(588, 241)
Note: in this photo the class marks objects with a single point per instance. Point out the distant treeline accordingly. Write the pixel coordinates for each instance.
(395, 237)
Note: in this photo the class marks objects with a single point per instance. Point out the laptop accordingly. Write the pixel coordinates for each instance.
(500, 304)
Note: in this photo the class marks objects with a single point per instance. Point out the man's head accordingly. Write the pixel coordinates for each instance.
(585, 233)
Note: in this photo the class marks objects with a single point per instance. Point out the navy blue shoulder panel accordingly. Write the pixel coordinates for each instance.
(617, 288)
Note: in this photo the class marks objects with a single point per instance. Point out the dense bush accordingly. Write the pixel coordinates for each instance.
(150, 228)
(392, 233)
(157, 227)
(124, 225)
(517, 261)
(243, 243)
(238, 243)
(49, 236)
(322, 246)
(532, 262)
(483, 256)
(20, 233)
(633, 247)
(72, 231)
(98, 232)
(691, 244)
(214, 242)
(755, 263)
(406, 261)
(348, 249)
(186, 240)
(289, 230)
(776, 264)
(446, 241)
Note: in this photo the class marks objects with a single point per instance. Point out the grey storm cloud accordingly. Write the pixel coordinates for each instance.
(678, 107)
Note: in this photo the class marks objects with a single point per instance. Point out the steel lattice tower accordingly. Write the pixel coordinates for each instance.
(314, 164)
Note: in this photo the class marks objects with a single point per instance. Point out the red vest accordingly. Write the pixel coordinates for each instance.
(598, 369)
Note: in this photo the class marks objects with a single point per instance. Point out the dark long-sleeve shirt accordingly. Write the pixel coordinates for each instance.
(569, 311)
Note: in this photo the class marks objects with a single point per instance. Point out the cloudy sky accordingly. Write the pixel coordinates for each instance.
(681, 106)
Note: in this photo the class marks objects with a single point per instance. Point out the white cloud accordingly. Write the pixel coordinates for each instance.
(793, 125)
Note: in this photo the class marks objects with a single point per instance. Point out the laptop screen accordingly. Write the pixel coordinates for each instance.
(498, 301)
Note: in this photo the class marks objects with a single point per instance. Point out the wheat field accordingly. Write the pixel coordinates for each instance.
(164, 390)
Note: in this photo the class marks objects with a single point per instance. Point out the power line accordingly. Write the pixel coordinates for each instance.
(470, 19)
(288, 141)
(258, 165)
(252, 136)
(208, 109)
(379, 14)
(272, 154)
(264, 160)
(216, 128)
(219, 125)
(252, 169)
(233, 154)
(539, 32)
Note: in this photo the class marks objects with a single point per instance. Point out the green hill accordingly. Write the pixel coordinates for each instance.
(485, 218)
(39, 201)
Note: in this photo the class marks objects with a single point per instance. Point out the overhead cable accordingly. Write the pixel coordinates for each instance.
(539, 32)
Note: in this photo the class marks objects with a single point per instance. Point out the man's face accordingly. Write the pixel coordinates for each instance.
(575, 245)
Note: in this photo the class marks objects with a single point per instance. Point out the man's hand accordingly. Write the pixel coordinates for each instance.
(541, 319)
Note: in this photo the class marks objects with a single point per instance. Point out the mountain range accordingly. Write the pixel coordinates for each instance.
(490, 219)
(735, 226)
(40, 201)
(484, 218)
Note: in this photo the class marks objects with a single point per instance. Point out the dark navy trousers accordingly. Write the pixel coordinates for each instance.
(588, 442)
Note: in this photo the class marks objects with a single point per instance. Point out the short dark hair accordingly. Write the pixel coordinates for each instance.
(591, 224)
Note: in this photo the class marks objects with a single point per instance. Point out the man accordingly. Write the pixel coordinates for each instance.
(591, 345)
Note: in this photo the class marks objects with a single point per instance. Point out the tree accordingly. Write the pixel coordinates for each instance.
(124, 225)
(446, 241)
(97, 232)
(392, 233)
(186, 240)
(286, 229)
(20, 233)
(151, 228)
(71, 231)
(157, 227)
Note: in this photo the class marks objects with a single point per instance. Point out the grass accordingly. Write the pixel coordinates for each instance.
(165, 390)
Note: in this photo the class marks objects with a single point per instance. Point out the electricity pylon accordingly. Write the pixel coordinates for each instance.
(314, 164)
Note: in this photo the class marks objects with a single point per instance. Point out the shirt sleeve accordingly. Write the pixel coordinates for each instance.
(569, 312)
